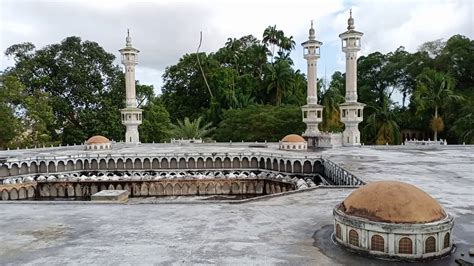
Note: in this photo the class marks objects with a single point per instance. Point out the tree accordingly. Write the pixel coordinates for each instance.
(382, 125)
(9, 126)
(145, 94)
(296, 93)
(27, 116)
(260, 123)
(331, 99)
(278, 78)
(156, 126)
(81, 82)
(433, 91)
(271, 37)
(464, 125)
(190, 130)
(184, 92)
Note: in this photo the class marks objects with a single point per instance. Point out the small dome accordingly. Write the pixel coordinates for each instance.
(393, 202)
(97, 140)
(293, 138)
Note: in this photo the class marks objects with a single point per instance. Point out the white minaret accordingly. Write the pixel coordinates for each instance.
(351, 110)
(312, 111)
(131, 115)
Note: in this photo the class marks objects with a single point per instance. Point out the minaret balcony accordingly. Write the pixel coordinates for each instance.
(312, 113)
(131, 116)
(351, 112)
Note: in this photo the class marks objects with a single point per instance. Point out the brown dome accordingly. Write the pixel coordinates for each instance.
(393, 202)
(293, 138)
(98, 140)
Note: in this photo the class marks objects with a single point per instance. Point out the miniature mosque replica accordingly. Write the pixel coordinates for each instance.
(383, 219)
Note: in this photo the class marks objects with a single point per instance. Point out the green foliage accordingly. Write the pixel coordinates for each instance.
(83, 86)
(278, 79)
(27, 116)
(434, 90)
(156, 126)
(238, 75)
(260, 123)
(382, 126)
(190, 129)
(331, 99)
(9, 126)
(464, 125)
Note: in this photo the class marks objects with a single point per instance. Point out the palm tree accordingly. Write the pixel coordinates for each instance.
(464, 126)
(278, 77)
(331, 115)
(272, 37)
(287, 43)
(382, 124)
(284, 56)
(190, 130)
(244, 100)
(434, 89)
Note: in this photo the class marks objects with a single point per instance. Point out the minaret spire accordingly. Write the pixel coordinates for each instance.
(131, 115)
(351, 110)
(312, 111)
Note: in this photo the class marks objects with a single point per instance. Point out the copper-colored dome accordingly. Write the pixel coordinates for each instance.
(393, 202)
(97, 140)
(293, 138)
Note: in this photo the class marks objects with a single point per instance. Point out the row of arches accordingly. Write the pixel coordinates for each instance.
(281, 165)
(165, 188)
(405, 244)
(27, 192)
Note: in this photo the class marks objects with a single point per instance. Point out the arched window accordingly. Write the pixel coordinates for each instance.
(446, 241)
(338, 231)
(377, 243)
(405, 246)
(353, 238)
(430, 245)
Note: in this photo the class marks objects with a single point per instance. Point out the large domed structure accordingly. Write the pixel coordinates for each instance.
(393, 219)
(393, 202)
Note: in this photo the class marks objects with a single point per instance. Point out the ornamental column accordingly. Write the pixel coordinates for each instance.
(351, 110)
(131, 115)
(312, 111)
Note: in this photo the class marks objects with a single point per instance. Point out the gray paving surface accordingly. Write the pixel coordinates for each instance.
(292, 229)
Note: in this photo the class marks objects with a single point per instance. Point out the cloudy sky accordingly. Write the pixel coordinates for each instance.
(164, 30)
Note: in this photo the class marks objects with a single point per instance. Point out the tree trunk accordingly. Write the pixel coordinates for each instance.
(435, 131)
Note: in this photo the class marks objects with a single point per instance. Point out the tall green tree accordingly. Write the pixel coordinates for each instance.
(82, 83)
(434, 90)
(156, 126)
(278, 79)
(29, 113)
(382, 126)
(271, 38)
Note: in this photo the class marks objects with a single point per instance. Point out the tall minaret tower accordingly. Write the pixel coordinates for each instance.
(312, 111)
(131, 115)
(351, 110)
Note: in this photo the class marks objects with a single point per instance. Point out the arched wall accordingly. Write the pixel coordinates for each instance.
(137, 163)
